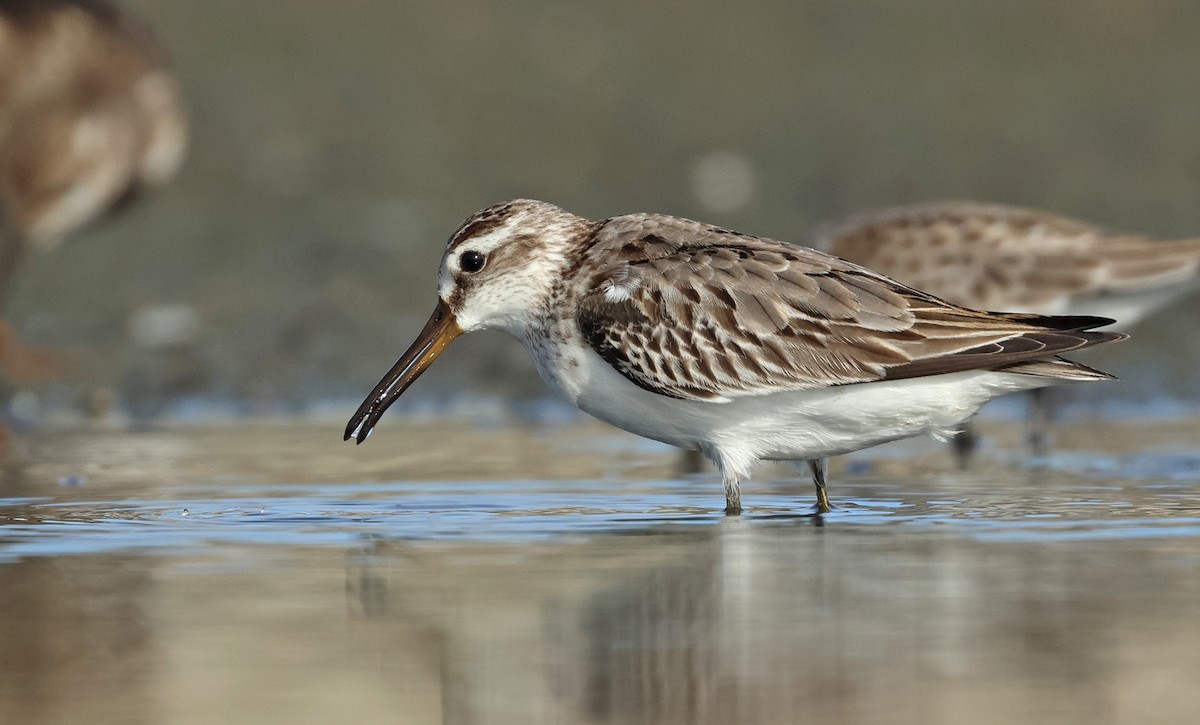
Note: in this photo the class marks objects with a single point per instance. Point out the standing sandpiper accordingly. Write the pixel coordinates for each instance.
(89, 116)
(997, 257)
(740, 347)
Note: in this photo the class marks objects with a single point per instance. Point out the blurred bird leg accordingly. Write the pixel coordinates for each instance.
(965, 442)
(1041, 416)
(690, 462)
(12, 254)
(23, 364)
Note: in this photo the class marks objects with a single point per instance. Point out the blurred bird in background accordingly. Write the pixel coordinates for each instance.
(89, 117)
(996, 257)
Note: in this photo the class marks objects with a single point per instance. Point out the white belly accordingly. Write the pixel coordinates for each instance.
(787, 425)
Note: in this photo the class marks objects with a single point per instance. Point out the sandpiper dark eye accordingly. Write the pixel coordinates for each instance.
(471, 261)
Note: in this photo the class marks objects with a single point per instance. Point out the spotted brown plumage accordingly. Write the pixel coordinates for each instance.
(89, 116)
(997, 257)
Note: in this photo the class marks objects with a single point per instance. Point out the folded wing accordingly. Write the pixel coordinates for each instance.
(698, 312)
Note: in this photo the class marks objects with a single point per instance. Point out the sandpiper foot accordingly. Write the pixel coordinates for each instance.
(817, 466)
(733, 497)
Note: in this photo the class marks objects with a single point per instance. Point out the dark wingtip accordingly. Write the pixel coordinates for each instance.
(1090, 322)
(1066, 323)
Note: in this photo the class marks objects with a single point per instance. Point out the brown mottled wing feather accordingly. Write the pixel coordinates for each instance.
(996, 257)
(692, 311)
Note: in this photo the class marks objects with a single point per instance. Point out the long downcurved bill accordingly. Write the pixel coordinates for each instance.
(436, 336)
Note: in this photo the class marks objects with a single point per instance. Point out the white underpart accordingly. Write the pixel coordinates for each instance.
(789, 426)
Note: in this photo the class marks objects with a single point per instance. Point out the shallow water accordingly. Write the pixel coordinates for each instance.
(444, 573)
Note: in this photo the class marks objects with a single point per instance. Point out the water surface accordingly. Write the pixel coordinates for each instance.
(444, 573)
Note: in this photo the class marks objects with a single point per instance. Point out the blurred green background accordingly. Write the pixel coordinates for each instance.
(337, 144)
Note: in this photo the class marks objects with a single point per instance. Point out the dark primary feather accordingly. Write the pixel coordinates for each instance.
(693, 311)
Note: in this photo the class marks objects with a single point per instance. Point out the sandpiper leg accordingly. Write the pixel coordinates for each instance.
(690, 462)
(12, 258)
(1041, 414)
(965, 442)
(733, 469)
(733, 496)
(817, 466)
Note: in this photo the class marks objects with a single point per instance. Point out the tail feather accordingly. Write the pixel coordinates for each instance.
(1059, 369)
(1078, 327)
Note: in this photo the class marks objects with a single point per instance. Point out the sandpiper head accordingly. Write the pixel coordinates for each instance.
(502, 263)
(499, 271)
